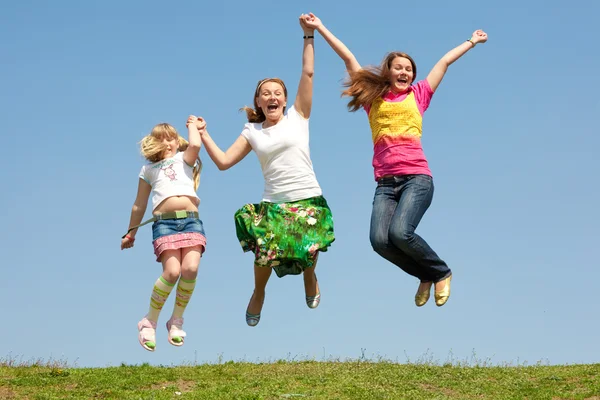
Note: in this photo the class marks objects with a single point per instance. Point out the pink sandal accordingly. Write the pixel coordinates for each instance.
(147, 334)
(176, 333)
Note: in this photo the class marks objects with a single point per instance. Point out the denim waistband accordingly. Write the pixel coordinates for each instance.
(177, 215)
(168, 215)
(399, 178)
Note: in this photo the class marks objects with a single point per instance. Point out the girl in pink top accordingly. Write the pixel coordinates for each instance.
(395, 105)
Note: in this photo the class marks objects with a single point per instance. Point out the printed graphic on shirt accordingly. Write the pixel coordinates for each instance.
(167, 167)
(170, 172)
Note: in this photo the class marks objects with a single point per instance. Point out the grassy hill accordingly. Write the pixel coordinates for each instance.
(300, 380)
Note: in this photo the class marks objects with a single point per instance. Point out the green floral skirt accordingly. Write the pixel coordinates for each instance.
(285, 236)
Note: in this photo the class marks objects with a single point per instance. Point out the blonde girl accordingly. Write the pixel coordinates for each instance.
(172, 177)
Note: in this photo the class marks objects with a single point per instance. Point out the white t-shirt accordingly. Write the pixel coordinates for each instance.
(284, 157)
(170, 177)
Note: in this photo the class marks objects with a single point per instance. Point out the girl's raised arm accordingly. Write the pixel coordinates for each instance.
(190, 155)
(336, 44)
(439, 70)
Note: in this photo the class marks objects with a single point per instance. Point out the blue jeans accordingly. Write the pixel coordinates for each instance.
(398, 206)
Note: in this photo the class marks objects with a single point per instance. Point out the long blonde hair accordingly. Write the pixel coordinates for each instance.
(370, 83)
(153, 149)
(256, 114)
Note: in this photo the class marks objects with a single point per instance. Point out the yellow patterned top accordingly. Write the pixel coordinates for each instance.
(396, 122)
(395, 119)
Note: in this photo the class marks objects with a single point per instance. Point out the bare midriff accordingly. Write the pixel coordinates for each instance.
(176, 203)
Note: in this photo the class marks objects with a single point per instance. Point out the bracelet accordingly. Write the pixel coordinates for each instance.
(308, 37)
(470, 40)
(130, 238)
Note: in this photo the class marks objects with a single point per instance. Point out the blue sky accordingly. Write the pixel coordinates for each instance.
(511, 136)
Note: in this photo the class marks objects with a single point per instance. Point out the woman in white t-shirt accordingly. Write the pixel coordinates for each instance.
(293, 222)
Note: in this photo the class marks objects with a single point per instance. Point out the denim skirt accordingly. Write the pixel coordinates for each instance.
(173, 234)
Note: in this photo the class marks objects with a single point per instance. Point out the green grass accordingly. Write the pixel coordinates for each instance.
(356, 379)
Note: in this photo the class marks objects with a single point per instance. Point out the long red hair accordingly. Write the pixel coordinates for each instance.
(372, 82)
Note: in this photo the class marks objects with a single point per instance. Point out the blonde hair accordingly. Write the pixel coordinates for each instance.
(371, 83)
(256, 114)
(153, 149)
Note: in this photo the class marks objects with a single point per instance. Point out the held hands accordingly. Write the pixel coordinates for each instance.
(479, 36)
(199, 122)
(310, 22)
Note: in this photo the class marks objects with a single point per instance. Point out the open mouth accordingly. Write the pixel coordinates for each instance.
(403, 80)
(272, 107)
